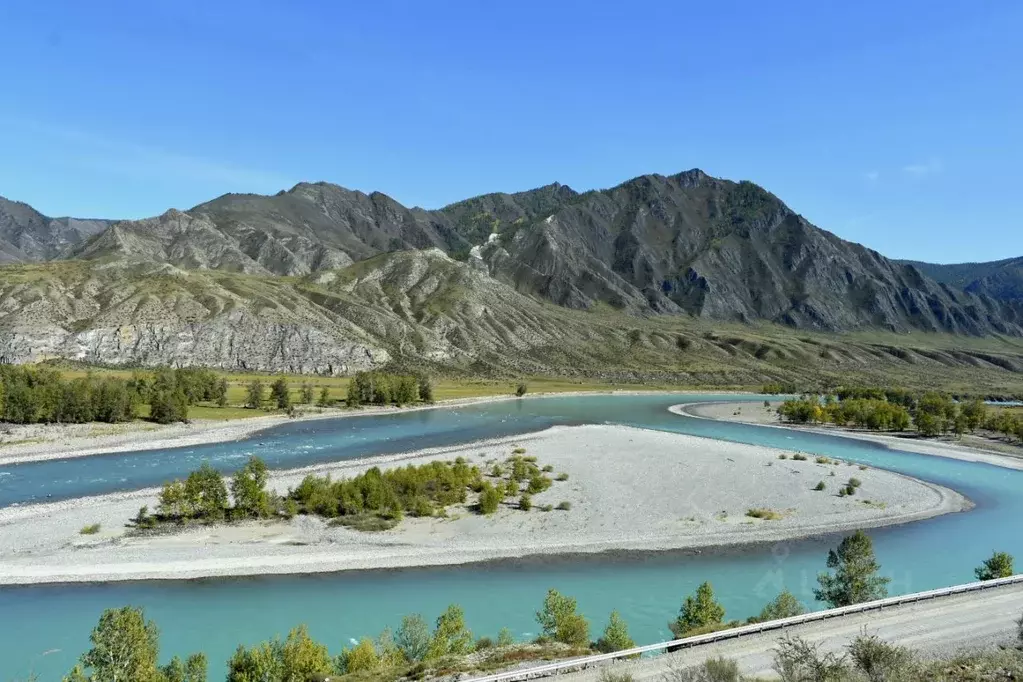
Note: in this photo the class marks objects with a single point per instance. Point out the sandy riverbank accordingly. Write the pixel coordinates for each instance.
(38, 442)
(757, 413)
(630, 489)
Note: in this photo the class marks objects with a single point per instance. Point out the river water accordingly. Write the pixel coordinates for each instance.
(44, 628)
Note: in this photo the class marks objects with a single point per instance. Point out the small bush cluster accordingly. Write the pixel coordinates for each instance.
(766, 514)
(799, 457)
(91, 529)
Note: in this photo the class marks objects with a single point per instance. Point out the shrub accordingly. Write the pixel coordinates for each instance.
(564, 505)
(785, 605)
(820, 486)
(497, 471)
(546, 507)
(823, 460)
(783, 456)
(711, 670)
(999, 565)
(855, 482)
(531, 458)
(538, 484)
(799, 457)
(360, 658)
(519, 451)
(842, 492)
(490, 498)
(863, 467)
(616, 635)
(413, 638)
(560, 622)
(766, 514)
(850, 490)
(484, 643)
(721, 670)
(698, 610)
(879, 660)
(562, 476)
(796, 660)
(609, 675)
(547, 468)
(91, 529)
(450, 636)
(505, 638)
(525, 502)
(521, 389)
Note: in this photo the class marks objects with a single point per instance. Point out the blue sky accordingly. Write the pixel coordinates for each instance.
(895, 124)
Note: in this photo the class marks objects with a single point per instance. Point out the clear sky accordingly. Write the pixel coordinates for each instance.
(898, 124)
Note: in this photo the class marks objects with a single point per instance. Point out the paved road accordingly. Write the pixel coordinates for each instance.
(934, 628)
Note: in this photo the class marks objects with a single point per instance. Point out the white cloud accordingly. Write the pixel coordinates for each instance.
(129, 158)
(872, 176)
(929, 167)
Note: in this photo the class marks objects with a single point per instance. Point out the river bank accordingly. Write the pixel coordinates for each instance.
(39, 442)
(757, 413)
(628, 489)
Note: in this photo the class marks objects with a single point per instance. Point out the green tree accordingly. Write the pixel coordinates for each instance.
(360, 658)
(248, 488)
(560, 622)
(425, 389)
(974, 412)
(302, 656)
(999, 565)
(616, 635)
(167, 406)
(307, 393)
(324, 399)
(192, 669)
(125, 647)
(490, 498)
(451, 636)
(279, 393)
(261, 663)
(699, 610)
(785, 605)
(220, 394)
(413, 638)
(254, 394)
(205, 493)
(856, 576)
(521, 389)
(297, 659)
(505, 637)
(353, 397)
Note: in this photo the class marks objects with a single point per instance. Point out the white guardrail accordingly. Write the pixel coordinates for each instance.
(686, 642)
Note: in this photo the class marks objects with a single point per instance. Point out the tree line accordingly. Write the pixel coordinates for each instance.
(39, 394)
(930, 413)
(125, 646)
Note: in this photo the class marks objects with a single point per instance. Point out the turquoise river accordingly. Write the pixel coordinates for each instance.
(44, 628)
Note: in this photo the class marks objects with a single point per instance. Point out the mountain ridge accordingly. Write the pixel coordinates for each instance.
(325, 277)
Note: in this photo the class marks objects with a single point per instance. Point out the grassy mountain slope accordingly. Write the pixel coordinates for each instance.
(422, 307)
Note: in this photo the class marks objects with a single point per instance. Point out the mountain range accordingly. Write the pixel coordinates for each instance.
(321, 278)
